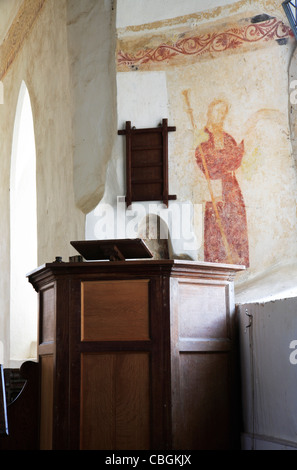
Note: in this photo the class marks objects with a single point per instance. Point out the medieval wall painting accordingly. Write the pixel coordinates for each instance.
(225, 223)
(219, 156)
(221, 80)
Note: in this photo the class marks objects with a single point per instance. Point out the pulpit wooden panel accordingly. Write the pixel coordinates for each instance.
(205, 353)
(204, 415)
(115, 310)
(203, 312)
(47, 300)
(138, 355)
(115, 392)
(46, 401)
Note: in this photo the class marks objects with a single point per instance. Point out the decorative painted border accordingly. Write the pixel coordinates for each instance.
(197, 45)
(17, 33)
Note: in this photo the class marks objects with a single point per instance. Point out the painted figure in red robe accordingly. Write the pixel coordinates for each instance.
(225, 223)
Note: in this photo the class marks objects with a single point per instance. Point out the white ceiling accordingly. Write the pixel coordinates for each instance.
(146, 11)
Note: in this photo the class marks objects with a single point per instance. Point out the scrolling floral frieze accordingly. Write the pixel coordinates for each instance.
(207, 44)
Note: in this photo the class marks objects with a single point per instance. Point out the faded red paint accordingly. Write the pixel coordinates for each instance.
(221, 164)
(197, 45)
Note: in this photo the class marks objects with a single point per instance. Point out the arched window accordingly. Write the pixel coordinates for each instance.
(23, 233)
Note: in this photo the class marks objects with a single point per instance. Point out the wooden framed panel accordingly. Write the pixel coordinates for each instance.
(203, 375)
(115, 310)
(205, 402)
(115, 401)
(47, 299)
(46, 405)
(203, 311)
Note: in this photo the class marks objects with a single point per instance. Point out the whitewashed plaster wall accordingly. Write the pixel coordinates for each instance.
(150, 11)
(254, 81)
(268, 372)
(42, 63)
(91, 43)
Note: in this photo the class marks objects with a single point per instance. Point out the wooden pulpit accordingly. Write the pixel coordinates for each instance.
(137, 354)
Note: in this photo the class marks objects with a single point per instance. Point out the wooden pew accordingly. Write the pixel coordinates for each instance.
(3, 407)
(19, 419)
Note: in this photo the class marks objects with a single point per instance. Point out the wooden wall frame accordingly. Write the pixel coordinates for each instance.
(147, 163)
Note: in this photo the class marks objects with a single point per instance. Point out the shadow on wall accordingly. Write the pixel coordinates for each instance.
(151, 230)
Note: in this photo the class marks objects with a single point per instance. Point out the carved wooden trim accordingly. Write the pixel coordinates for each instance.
(18, 31)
